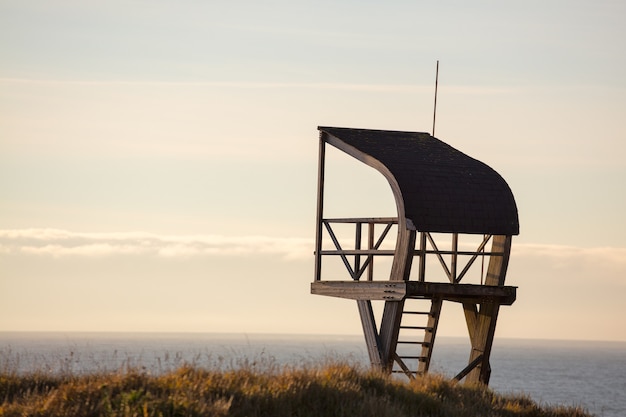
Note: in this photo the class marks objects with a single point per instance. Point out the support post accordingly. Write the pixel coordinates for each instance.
(392, 313)
(482, 322)
(320, 207)
(370, 245)
(372, 340)
(454, 256)
(357, 246)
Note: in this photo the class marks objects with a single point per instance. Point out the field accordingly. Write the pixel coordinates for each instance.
(332, 389)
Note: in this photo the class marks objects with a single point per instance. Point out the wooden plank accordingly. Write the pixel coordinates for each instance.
(399, 290)
(361, 290)
(459, 252)
(380, 252)
(378, 220)
(388, 252)
(462, 292)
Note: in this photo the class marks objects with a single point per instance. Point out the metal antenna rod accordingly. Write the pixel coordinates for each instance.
(435, 106)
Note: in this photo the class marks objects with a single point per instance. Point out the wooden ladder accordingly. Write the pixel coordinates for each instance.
(418, 327)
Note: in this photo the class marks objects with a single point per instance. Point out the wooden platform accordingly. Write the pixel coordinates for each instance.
(400, 290)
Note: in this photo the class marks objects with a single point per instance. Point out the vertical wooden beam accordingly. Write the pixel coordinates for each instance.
(422, 264)
(487, 315)
(357, 246)
(372, 340)
(392, 313)
(455, 256)
(320, 206)
(370, 258)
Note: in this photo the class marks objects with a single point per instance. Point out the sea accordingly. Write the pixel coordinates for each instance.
(590, 374)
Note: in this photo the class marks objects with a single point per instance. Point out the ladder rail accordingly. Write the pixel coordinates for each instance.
(413, 354)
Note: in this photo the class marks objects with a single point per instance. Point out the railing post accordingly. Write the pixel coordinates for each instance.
(370, 258)
(422, 264)
(455, 254)
(357, 246)
(320, 207)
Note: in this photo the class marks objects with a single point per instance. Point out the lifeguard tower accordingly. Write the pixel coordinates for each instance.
(455, 220)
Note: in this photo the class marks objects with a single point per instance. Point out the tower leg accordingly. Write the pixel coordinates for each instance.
(392, 313)
(482, 341)
(389, 330)
(481, 323)
(372, 340)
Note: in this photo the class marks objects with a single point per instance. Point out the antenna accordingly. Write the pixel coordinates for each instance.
(435, 106)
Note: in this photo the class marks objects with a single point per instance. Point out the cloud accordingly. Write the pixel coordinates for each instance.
(540, 258)
(568, 268)
(63, 243)
(560, 255)
(249, 85)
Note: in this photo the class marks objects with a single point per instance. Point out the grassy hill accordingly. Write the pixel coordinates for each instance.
(328, 390)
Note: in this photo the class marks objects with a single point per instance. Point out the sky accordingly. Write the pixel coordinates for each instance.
(158, 159)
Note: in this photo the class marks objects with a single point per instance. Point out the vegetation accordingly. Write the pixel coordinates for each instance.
(325, 390)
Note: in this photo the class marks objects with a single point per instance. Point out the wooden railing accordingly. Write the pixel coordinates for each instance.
(356, 267)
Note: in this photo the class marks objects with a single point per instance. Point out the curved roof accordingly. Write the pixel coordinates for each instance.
(437, 187)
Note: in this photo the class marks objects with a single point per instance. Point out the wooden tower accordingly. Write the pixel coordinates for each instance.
(456, 215)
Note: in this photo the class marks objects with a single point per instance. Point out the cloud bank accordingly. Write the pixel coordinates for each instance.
(63, 243)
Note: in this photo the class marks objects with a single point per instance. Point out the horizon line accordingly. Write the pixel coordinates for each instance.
(282, 334)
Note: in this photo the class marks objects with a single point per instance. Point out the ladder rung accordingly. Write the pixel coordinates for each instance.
(416, 312)
(421, 358)
(416, 327)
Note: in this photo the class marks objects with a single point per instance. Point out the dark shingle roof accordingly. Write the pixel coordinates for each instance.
(443, 189)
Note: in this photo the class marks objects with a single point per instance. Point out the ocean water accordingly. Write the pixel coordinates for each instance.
(591, 374)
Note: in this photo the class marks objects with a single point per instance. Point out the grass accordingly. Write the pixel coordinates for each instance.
(324, 390)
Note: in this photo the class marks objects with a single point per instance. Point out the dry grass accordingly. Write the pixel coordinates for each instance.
(325, 390)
